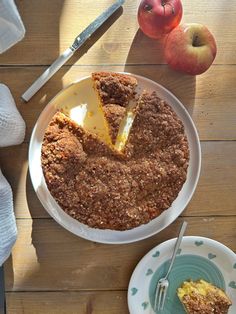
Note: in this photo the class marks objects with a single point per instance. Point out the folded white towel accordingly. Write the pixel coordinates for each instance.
(8, 231)
(12, 132)
(12, 28)
(12, 126)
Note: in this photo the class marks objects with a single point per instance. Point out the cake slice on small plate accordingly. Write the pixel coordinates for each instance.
(201, 297)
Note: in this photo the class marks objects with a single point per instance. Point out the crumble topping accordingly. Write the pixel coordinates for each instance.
(105, 189)
(201, 297)
(114, 88)
(115, 91)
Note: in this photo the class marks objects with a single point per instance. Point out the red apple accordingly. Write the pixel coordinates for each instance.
(158, 17)
(190, 48)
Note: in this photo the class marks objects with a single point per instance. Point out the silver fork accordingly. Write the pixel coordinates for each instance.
(163, 283)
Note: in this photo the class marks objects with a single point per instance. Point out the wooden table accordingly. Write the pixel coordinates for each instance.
(53, 271)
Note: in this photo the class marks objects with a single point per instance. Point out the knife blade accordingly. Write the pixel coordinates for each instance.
(68, 53)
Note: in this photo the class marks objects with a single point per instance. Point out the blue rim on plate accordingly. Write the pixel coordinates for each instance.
(198, 258)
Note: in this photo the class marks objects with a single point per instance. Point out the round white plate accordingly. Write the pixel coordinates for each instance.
(198, 258)
(80, 92)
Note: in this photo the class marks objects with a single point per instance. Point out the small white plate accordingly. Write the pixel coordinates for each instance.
(80, 93)
(198, 258)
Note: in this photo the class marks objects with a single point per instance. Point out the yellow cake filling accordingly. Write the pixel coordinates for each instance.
(203, 298)
(199, 287)
(91, 117)
(124, 129)
(84, 107)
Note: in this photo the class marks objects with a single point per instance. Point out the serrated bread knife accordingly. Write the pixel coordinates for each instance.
(68, 53)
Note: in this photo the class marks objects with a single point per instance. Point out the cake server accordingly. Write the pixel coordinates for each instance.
(67, 54)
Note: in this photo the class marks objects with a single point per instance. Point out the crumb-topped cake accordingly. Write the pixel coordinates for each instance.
(201, 297)
(107, 189)
(115, 92)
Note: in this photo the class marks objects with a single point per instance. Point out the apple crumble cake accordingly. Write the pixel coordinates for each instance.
(115, 91)
(108, 189)
(201, 297)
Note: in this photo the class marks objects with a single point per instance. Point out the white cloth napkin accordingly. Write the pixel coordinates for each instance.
(12, 28)
(12, 126)
(12, 132)
(8, 231)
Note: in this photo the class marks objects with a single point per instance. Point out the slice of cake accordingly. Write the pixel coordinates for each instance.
(201, 297)
(158, 132)
(114, 114)
(115, 92)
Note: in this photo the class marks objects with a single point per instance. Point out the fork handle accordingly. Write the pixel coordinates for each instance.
(177, 245)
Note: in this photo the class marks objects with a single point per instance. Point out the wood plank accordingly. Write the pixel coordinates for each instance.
(52, 25)
(215, 194)
(47, 257)
(96, 302)
(216, 188)
(51, 270)
(210, 102)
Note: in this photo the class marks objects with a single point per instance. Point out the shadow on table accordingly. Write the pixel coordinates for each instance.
(33, 28)
(37, 103)
(178, 83)
(40, 253)
(146, 58)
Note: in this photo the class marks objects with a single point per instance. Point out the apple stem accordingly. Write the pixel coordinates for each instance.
(163, 3)
(197, 41)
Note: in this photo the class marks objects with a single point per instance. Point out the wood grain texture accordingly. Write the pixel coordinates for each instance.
(46, 257)
(51, 27)
(210, 102)
(51, 270)
(94, 302)
(215, 194)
